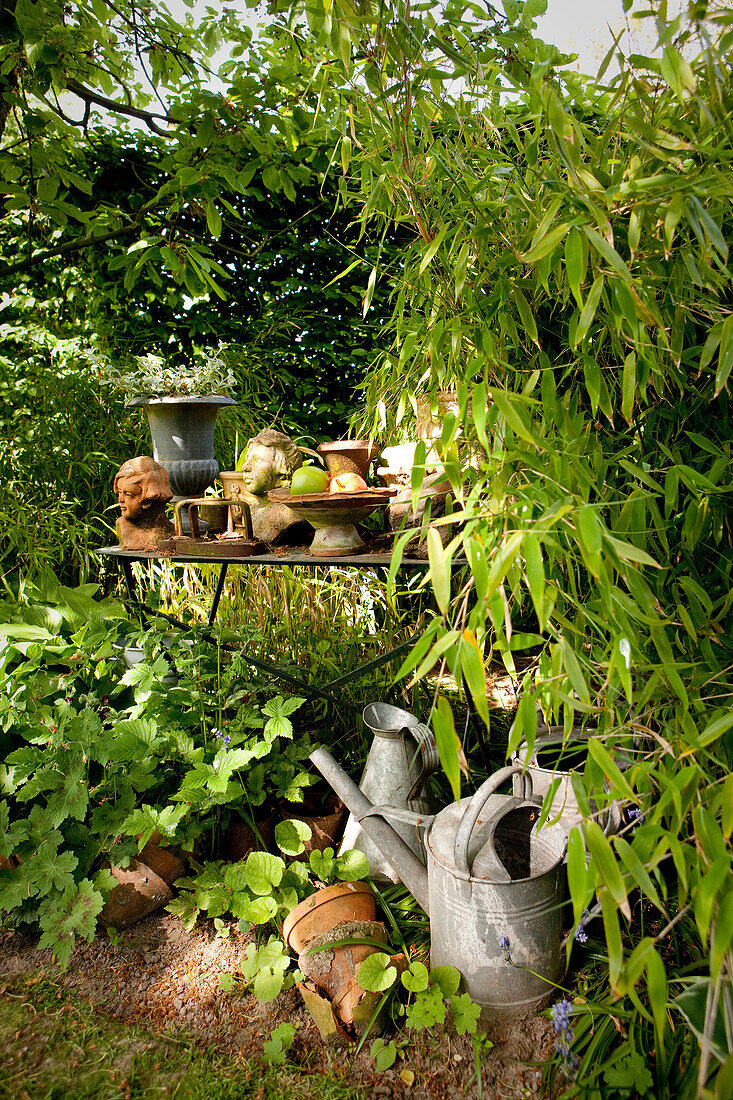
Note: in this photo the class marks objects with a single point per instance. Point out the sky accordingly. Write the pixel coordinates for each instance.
(584, 27)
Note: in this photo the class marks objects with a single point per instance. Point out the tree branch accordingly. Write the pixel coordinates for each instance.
(148, 117)
(70, 246)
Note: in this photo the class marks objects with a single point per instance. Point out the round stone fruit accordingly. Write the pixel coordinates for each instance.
(309, 479)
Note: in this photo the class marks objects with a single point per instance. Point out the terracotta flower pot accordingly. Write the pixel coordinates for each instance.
(332, 965)
(139, 891)
(348, 456)
(240, 838)
(325, 827)
(163, 862)
(346, 901)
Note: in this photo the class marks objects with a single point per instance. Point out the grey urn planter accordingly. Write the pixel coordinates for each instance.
(182, 430)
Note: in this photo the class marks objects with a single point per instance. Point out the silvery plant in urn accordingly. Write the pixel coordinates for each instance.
(181, 403)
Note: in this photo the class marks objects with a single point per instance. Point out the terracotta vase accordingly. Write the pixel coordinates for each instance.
(348, 456)
(319, 912)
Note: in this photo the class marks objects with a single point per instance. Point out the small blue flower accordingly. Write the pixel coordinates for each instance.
(560, 1014)
(505, 947)
(634, 816)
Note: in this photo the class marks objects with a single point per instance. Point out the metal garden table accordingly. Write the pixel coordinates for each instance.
(283, 557)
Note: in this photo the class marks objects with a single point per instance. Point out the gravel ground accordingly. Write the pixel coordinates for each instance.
(163, 977)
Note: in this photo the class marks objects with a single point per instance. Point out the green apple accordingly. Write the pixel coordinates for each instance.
(309, 479)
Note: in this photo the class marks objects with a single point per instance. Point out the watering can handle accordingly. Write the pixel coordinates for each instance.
(474, 808)
(430, 758)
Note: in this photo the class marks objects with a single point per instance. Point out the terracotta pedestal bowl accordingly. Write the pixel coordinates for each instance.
(334, 516)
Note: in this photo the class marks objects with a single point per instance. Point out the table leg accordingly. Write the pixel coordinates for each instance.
(217, 593)
(132, 594)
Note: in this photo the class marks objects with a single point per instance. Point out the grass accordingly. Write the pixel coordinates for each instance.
(55, 1047)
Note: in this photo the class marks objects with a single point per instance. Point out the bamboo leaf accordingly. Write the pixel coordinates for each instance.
(725, 355)
(433, 248)
(535, 572)
(528, 322)
(474, 672)
(607, 869)
(440, 569)
(575, 263)
(588, 311)
(546, 244)
(590, 534)
(610, 768)
(449, 745)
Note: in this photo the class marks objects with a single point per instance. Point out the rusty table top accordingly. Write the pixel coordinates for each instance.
(288, 555)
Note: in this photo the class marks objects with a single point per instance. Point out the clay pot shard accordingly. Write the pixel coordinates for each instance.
(163, 862)
(332, 964)
(355, 1006)
(138, 893)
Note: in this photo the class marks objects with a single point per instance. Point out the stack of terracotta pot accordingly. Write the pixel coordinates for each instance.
(316, 929)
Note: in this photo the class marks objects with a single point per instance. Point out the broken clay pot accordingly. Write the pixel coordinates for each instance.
(325, 827)
(163, 862)
(331, 964)
(355, 1006)
(139, 891)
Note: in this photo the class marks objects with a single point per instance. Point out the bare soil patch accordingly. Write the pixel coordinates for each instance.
(165, 979)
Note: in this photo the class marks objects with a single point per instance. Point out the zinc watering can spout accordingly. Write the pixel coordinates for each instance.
(411, 871)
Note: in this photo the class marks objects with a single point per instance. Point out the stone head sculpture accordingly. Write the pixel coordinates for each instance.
(270, 461)
(143, 490)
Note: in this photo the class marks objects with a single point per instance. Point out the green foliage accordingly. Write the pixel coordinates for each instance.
(275, 1050)
(152, 376)
(94, 761)
(384, 1054)
(567, 277)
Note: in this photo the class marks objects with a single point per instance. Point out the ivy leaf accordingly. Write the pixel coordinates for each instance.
(466, 1013)
(447, 979)
(629, 1075)
(351, 866)
(322, 864)
(71, 799)
(50, 869)
(427, 1009)
(416, 978)
(10, 835)
(377, 974)
(384, 1054)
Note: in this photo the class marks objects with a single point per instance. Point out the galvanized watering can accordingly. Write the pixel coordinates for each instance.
(494, 888)
(403, 754)
(555, 756)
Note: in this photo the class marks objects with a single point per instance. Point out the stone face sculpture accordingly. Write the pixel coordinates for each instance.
(143, 490)
(270, 461)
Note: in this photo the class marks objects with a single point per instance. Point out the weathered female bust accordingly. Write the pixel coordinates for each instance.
(143, 490)
(270, 461)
